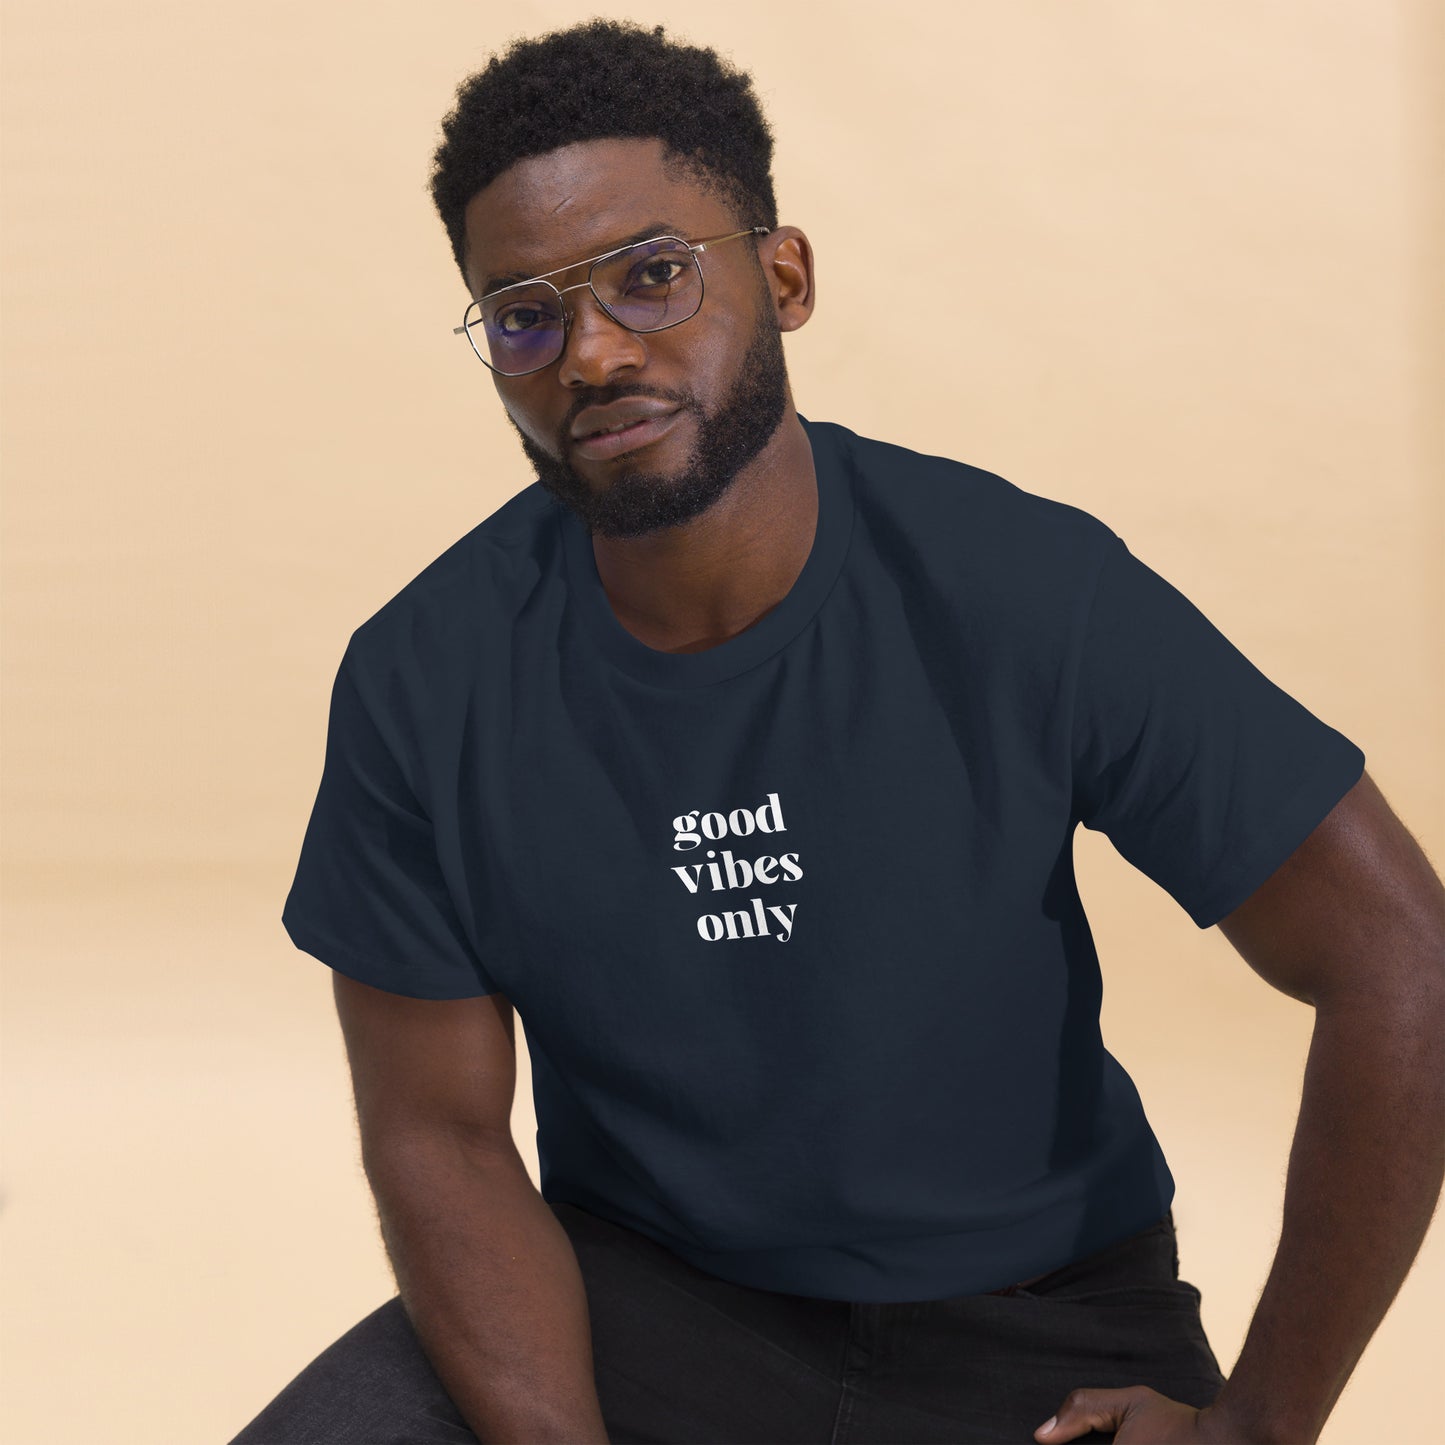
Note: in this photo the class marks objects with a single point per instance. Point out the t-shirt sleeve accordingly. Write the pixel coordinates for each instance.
(1203, 773)
(369, 898)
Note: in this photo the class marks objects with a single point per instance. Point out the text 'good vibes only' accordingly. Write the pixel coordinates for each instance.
(720, 871)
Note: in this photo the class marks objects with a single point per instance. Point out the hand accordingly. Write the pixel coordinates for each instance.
(1139, 1416)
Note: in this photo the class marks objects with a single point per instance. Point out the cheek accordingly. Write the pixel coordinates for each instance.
(731, 319)
(704, 352)
(514, 414)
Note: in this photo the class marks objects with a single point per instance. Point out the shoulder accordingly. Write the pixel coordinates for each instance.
(967, 528)
(453, 609)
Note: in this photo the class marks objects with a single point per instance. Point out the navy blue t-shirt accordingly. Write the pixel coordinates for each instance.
(791, 923)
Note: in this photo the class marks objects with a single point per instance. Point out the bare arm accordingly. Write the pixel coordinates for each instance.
(1354, 924)
(487, 1276)
(490, 1282)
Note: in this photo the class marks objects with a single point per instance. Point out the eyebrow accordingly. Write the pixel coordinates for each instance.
(657, 228)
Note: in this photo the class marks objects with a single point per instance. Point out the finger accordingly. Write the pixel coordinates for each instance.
(1085, 1410)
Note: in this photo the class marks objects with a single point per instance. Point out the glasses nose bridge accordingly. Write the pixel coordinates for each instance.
(569, 313)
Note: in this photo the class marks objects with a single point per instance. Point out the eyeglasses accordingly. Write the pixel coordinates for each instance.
(647, 286)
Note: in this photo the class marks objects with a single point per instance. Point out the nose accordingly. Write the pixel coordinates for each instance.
(597, 346)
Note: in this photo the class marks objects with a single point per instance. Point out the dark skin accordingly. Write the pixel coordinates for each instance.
(1352, 924)
(693, 585)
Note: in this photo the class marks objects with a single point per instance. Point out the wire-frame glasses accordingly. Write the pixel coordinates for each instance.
(646, 286)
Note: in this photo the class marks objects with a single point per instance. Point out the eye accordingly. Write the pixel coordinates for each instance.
(520, 318)
(654, 272)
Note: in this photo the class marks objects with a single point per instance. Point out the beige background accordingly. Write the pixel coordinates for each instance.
(1189, 280)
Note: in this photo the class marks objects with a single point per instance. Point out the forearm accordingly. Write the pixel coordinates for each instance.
(491, 1284)
(1365, 1171)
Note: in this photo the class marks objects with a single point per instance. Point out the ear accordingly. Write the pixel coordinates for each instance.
(787, 258)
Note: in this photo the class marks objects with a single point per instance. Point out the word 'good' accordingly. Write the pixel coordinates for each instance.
(691, 829)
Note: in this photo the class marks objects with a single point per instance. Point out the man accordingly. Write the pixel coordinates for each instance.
(742, 754)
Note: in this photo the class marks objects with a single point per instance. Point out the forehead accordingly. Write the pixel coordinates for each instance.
(576, 201)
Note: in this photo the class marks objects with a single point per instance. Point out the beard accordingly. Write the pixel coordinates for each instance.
(634, 501)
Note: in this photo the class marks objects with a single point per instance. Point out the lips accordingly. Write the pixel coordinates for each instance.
(605, 445)
(594, 419)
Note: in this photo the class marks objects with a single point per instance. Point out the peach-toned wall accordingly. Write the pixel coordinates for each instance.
(1188, 258)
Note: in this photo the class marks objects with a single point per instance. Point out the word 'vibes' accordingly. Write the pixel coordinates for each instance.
(723, 872)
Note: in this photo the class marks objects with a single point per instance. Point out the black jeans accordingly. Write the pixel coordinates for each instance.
(682, 1356)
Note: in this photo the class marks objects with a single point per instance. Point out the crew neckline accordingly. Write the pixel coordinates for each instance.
(773, 631)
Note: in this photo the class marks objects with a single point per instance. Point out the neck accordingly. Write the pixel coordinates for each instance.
(694, 586)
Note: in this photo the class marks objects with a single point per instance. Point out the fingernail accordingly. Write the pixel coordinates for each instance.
(1047, 1425)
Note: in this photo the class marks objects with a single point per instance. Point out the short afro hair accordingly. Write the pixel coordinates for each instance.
(602, 79)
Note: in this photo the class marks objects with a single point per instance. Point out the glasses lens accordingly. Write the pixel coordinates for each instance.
(650, 285)
(519, 329)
